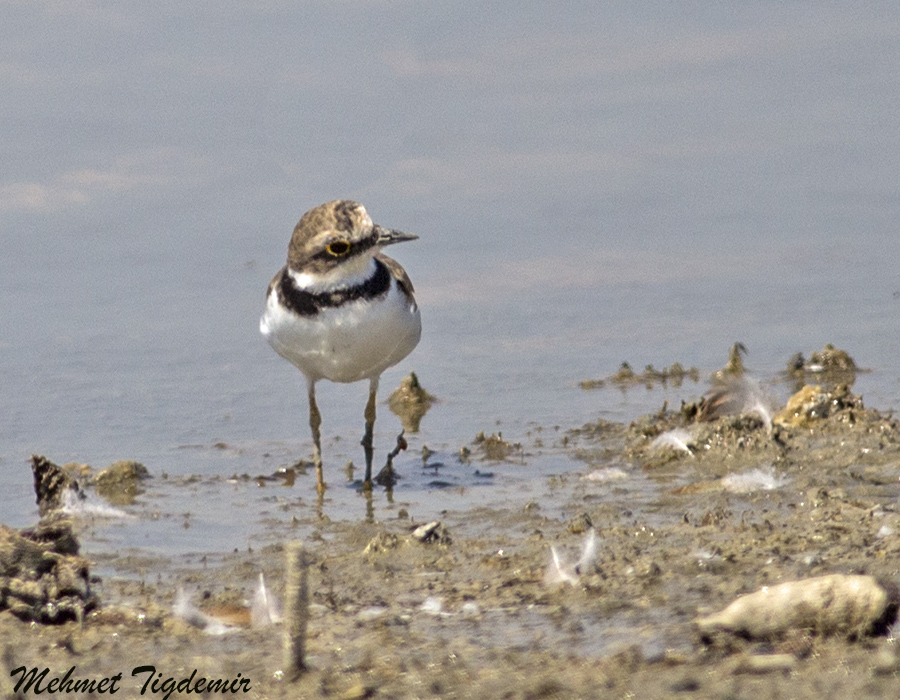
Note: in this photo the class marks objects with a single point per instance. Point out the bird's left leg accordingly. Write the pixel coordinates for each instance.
(370, 424)
(315, 421)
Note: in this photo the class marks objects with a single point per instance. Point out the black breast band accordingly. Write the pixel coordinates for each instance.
(305, 303)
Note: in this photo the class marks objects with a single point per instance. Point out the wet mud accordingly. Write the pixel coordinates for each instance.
(611, 582)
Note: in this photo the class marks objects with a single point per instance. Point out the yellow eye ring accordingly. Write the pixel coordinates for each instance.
(338, 248)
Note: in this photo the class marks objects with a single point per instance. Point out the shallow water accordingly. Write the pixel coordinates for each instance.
(589, 188)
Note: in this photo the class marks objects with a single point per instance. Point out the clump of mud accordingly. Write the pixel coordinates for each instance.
(735, 366)
(120, 482)
(813, 403)
(410, 402)
(42, 578)
(675, 374)
(52, 483)
(494, 448)
(827, 361)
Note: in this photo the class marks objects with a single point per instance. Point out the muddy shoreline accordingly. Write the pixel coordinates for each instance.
(741, 502)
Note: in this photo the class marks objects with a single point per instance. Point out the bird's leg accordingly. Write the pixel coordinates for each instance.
(367, 438)
(315, 421)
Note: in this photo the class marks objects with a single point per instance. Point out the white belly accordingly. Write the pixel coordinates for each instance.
(356, 341)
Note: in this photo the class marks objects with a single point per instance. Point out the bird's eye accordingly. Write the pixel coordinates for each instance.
(338, 248)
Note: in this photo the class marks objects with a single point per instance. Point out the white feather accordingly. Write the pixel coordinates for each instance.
(264, 610)
(677, 439)
(759, 479)
(559, 571)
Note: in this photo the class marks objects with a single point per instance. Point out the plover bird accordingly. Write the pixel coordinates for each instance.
(340, 309)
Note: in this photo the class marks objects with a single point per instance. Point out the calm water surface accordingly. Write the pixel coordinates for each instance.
(590, 185)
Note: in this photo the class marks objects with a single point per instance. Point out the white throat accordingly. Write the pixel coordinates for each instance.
(349, 273)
